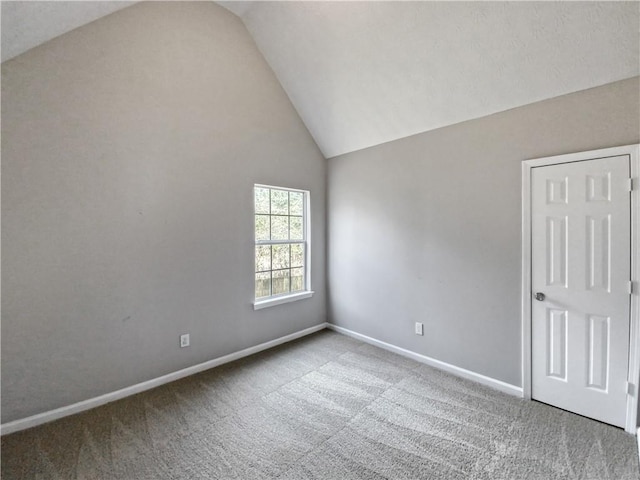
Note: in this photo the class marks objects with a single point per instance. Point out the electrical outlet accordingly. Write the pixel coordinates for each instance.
(184, 340)
(419, 329)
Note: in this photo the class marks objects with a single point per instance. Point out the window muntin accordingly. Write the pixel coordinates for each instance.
(281, 247)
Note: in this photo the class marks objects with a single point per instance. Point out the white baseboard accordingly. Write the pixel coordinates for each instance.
(461, 372)
(61, 412)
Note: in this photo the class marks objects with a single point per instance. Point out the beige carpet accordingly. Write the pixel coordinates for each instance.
(323, 407)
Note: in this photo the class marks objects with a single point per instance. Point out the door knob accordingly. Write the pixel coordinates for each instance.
(540, 296)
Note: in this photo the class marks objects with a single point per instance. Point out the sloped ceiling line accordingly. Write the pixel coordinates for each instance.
(365, 73)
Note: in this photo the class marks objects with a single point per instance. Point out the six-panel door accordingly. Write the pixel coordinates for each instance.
(581, 250)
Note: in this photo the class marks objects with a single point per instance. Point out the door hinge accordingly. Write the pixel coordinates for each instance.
(631, 183)
(631, 389)
(630, 287)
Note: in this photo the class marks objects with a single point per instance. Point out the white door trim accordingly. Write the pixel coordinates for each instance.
(633, 375)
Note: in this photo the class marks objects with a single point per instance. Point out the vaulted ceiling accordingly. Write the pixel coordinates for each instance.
(364, 73)
(28, 24)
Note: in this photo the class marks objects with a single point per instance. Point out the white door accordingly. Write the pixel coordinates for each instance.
(581, 255)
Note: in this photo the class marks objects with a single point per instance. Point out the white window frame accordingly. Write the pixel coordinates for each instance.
(264, 302)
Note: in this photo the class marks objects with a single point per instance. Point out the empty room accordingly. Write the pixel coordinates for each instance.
(320, 240)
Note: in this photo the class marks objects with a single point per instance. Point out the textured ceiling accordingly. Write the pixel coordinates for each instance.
(364, 73)
(239, 7)
(28, 24)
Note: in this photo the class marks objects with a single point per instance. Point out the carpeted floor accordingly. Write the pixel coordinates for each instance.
(323, 407)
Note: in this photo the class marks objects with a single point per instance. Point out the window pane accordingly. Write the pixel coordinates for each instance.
(280, 282)
(279, 227)
(261, 200)
(280, 256)
(263, 258)
(263, 284)
(295, 203)
(280, 268)
(279, 202)
(297, 255)
(296, 228)
(297, 279)
(262, 227)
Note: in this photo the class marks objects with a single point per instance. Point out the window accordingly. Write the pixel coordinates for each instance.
(281, 245)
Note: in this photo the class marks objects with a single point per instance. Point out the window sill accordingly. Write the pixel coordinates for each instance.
(271, 302)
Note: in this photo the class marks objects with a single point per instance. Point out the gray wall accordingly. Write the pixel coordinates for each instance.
(427, 228)
(130, 148)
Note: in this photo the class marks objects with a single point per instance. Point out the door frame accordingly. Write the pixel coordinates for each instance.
(633, 373)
